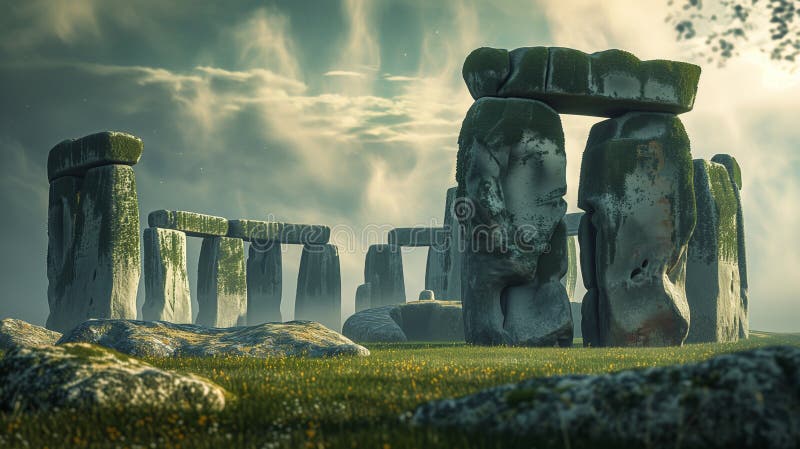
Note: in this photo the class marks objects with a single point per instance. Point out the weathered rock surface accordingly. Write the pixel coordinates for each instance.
(288, 233)
(576, 319)
(573, 221)
(637, 190)
(264, 283)
(456, 245)
(83, 376)
(511, 172)
(161, 339)
(427, 295)
(570, 278)
(712, 269)
(74, 157)
(62, 213)
(417, 236)
(100, 275)
(363, 297)
(744, 400)
(222, 283)
(412, 321)
(735, 173)
(443, 267)
(191, 223)
(319, 286)
(383, 270)
(606, 84)
(166, 280)
(17, 333)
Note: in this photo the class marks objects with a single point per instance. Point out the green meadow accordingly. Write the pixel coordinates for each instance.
(344, 402)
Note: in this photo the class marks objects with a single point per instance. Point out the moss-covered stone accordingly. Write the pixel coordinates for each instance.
(571, 277)
(712, 271)
(190, 223)
(86, 377)
(485, 70)
(319, 286)
(606, 84)
(221, 283)
(636, 182)
(18, 333)
(74, 157)
(732, 165)
(166, 281)
(287, 233)
(264, 283)
(101, 276)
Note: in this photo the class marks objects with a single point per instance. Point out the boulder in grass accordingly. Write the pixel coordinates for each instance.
(161, 339)
(412, 321)
(84, 376)
(744, 400)
(17, 333)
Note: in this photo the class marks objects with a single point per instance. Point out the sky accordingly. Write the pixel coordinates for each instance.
(344, 113)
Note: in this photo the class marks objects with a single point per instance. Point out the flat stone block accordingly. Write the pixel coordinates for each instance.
(418, 236)
(287, 233)
(74, 157)
(191, 223)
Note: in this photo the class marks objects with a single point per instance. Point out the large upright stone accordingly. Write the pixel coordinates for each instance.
(319, 286)
(74, 157)
(456, 246)
(191, 223)
(736, 178)
(221, 283)
(606, 84)
(383, 270)
(363, 297)
(166, 280)
(62, 212)
(288, 233)
(511, 173)
(264, 283)
(437, 267)
(712, 269)
(637, 190)
(571, 276)
(100, 276)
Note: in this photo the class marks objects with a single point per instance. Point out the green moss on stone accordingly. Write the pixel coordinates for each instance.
(76, 156)
(568, 71)
(192, 223)
(732, 166)
(528, 72)
(485, 70)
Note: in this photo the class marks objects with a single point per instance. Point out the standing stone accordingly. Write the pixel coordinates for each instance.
(221, 283)
(511, 173)
(576, 319)
(363, 297)
(319, 286)
(590, 313)
(735, 173)
(101, 275)
(456, 247)
(571, 276)
(427, 295)
(383, 270)
(712, 270)
(437, 266)
(637, 190)
(264, 283)
(62, 212)
(166, 280)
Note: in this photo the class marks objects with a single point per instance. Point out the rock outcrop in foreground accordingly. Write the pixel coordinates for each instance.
(745, 400)
(18, 333)
(161, 339)
(80, 375)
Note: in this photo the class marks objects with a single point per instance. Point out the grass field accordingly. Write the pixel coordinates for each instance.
(339, 402)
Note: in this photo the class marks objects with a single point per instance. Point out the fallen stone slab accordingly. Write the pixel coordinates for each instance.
(288, 233)
(17, 333)
(412, 321)
(745, 400)
(418, 236)
(191, 223)
(74, 157)
(162, 339)
(84, 376)
(604, 84)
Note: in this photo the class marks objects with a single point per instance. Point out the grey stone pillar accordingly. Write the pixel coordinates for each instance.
(363, 297)
(712, 266)
(636, 188)
(319, 286)
(166, 280)
(437, 265)
(221, 283)
(264, 282)
(383, 270)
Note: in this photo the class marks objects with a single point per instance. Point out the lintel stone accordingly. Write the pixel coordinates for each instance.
(74, 157)
(192, 223)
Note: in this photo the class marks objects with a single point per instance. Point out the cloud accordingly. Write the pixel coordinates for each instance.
(344, 73)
